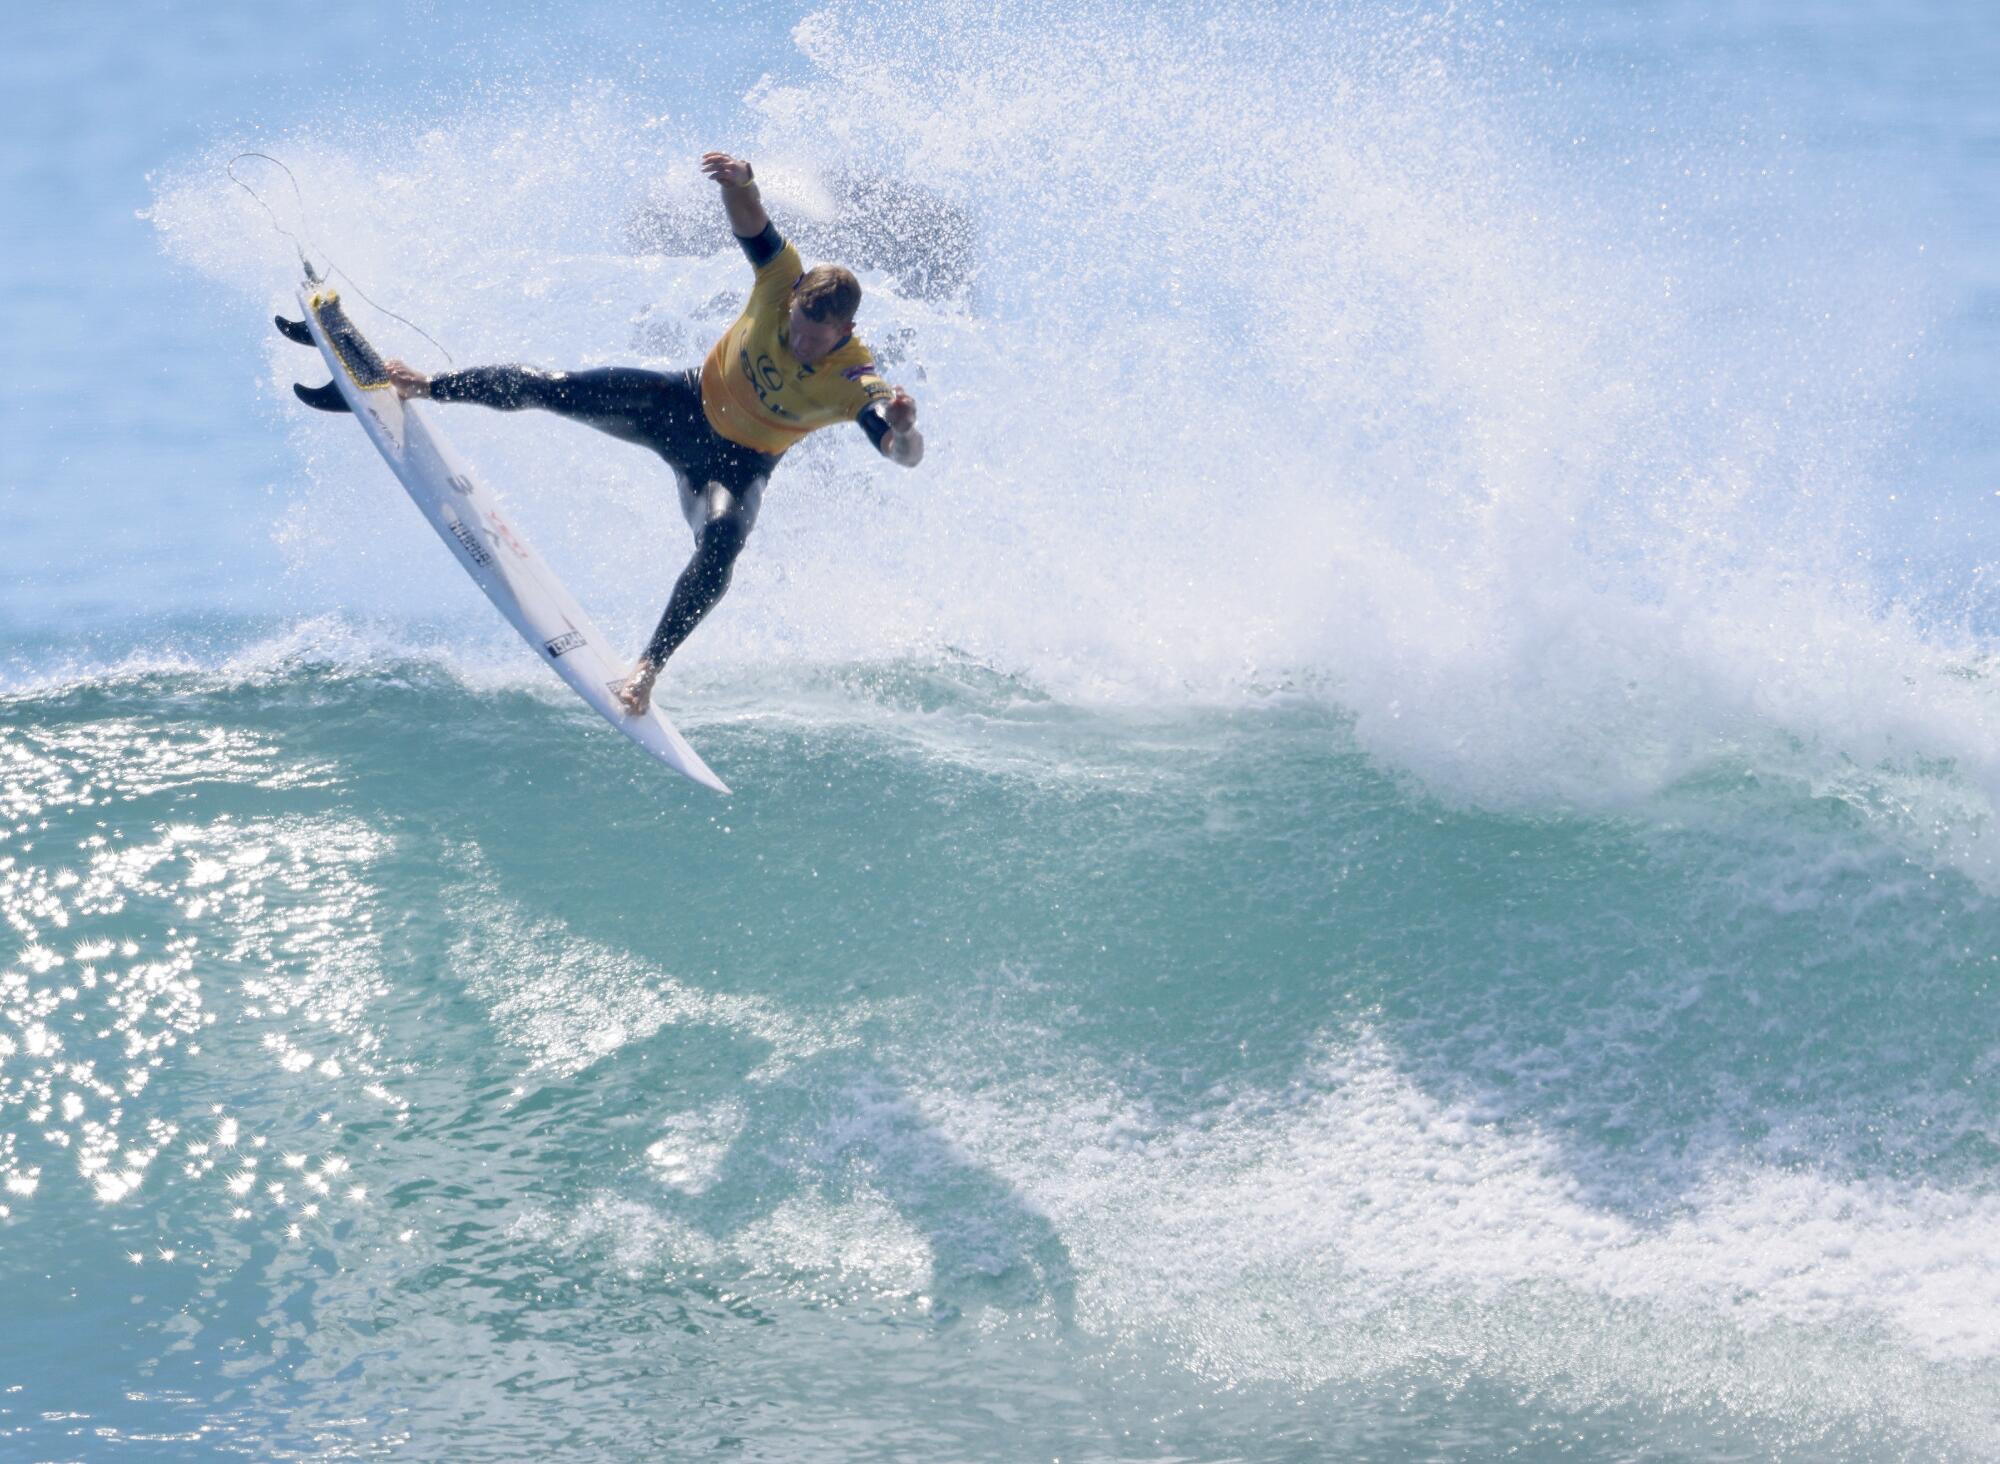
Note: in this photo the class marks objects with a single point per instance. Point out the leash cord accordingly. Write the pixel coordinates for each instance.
(301, 246)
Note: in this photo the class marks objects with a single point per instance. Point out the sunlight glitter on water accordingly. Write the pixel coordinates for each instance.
(156, 916)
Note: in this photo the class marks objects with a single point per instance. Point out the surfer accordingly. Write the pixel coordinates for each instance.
(790, 365)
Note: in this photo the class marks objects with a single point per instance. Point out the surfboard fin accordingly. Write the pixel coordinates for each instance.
(293, 330)
(322, 398)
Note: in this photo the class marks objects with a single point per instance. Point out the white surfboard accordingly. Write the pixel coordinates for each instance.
(468, 517)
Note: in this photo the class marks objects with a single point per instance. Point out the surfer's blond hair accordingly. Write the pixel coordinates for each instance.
(828, 292)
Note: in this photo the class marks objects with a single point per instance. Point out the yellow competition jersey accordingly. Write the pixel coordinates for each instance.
(756, 393)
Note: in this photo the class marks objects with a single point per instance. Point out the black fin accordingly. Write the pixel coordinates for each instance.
(322, 398)
(293, 330)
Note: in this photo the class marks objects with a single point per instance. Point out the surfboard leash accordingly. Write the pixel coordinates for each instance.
(305, 262)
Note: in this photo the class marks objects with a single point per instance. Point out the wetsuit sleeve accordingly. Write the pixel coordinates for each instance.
(875, 423)
(762, 248)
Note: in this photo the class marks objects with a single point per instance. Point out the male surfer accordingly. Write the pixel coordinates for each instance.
(789, 365)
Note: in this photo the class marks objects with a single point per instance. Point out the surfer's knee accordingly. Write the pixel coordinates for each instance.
(722, 539)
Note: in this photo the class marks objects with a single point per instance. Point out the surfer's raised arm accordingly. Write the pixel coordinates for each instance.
(740, 199)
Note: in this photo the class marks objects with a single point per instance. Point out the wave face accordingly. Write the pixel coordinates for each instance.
(1093, 1056)
(1387, 851)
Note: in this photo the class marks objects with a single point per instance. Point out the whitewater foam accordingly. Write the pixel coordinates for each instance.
(1550, 492)
(1353, 1226)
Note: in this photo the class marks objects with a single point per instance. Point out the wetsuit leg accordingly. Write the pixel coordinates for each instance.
(721, 482)
(628, 403)
(724, 517)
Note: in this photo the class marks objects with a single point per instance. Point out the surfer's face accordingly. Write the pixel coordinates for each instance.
(812, 339)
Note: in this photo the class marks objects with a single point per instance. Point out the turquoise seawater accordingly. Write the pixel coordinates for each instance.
(1386, 854)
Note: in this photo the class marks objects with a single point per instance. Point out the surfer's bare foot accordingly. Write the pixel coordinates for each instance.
(635, 692)
(408, 381)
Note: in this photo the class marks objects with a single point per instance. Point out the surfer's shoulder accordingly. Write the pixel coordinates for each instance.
(849, 354)
(768, 251)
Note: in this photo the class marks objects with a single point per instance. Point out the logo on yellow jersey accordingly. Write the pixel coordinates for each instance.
(767, 381)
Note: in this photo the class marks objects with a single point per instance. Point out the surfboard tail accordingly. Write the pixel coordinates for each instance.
(469, 517)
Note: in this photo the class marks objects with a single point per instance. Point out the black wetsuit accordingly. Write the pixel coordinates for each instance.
(721, 482)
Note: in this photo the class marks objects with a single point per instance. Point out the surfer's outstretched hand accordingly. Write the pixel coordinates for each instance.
(902, 443)
(729, 172)
(635, 692)
(408, 381)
